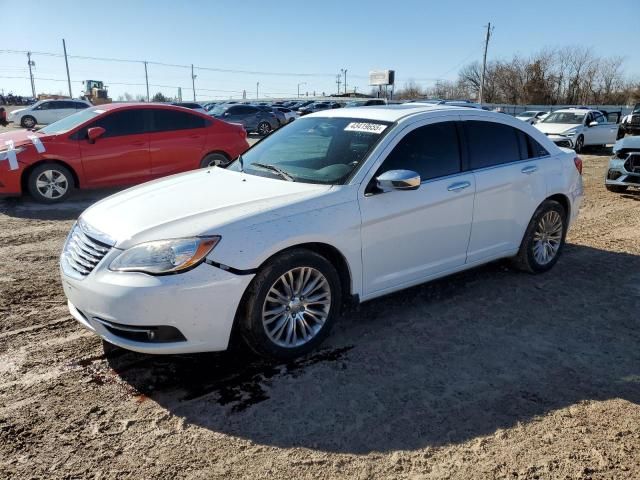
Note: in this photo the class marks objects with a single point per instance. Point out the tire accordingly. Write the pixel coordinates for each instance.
(268, 333)
(28, 122)
(50, 183)
(620, 134)
(579, 147)
(532, 249)
(264, 128)
(214, 159)
(616, 188)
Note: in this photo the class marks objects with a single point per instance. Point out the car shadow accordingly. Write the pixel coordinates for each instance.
(26, 207)
(440, 363)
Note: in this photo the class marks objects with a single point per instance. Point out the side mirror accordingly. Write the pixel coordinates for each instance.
(398, 180)
(94, 133)
(593, 124)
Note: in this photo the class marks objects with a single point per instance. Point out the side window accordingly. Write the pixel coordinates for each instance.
(80, 105)
(432, 151)
(124, 122)
(491, 144)
(166, 120)
(598, 117)
(43, 106)
(530, 148)
(66, 105)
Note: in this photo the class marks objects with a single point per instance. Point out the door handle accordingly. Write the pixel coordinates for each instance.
(456, 187)
(530, 169)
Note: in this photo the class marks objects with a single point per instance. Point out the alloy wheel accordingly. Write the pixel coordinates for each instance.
(547, 237)
(52, 184)
(296, 307)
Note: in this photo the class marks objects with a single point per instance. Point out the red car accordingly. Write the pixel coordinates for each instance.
(114, 145)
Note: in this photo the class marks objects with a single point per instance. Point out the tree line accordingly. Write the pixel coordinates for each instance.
(560, 76)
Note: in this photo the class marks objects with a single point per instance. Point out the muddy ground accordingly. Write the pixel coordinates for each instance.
(489, 374)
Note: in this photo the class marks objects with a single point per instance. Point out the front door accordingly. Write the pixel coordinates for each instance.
(409, 236)
(121, 155)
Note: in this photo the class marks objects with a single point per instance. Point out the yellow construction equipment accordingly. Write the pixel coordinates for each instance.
(96, 92)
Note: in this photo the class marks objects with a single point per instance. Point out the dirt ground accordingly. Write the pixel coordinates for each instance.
(489, 374)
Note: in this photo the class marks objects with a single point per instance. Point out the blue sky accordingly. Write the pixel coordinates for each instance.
(421, 40)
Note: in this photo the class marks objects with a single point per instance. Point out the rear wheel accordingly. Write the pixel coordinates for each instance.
(290, 305)
(28, 121)
(544, 238)
(616, 188)
(214, 160)
(50, 183)
(264, 128)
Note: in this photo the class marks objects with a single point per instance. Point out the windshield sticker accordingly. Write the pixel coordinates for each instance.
(11, 155)
(37, 143)
(376, 128)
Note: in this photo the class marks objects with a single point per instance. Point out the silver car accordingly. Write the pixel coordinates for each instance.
(624, 166)
(252, 118)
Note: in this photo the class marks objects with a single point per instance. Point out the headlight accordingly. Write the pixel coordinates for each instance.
(164, 256)
(570, 132)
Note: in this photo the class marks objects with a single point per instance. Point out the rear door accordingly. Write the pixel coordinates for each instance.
(510, 184)
(176, 141)
(121, 155)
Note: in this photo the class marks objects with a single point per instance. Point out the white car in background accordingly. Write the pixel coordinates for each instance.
(531, 116)
(45, 112)
(578, 127)
(289, 115)
(343, 204)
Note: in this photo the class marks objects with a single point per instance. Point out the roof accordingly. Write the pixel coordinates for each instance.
(394, 113)
(113, 106)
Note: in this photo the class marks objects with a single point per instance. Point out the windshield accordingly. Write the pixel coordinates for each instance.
(636, 109)
(354, 104)
(565, 117)
(314, 150)
(526, 114)
(72, 121)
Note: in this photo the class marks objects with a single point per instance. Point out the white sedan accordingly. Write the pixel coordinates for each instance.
(531, 116)
(45, 112)
(578, 127)
(346, 204)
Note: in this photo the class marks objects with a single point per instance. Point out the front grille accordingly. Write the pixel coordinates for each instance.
(82, 253)
(633, 163)
(635, 120)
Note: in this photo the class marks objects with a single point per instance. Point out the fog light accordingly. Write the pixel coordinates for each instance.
(613, 174)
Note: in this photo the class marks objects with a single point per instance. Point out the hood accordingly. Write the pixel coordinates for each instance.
(21, 137)
(191, 204)
(627, 143)
(555, 127)
(17, 110)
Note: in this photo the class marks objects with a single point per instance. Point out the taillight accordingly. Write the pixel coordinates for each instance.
(578, 163)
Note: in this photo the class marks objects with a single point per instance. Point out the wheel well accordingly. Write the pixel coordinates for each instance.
(564, 201)
(27, 172)
(334, 256)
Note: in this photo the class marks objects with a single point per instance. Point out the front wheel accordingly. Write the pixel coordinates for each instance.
(28, 122)
(579, 147)
(290, 305)
(544, 238)
(50, 183)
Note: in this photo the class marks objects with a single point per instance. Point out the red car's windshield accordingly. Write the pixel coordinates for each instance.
(72, 121)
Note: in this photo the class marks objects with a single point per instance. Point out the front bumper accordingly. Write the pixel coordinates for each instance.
(562, 141)
(624, 172)
(10, 183)
(200, 304)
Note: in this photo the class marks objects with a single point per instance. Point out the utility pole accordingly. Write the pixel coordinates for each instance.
(484, 62)
(339, 81)
(146, 79)
(257, 88)
(31, 64)
(303, 83)
(66, 62)
(193, 83)
(344, 71)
